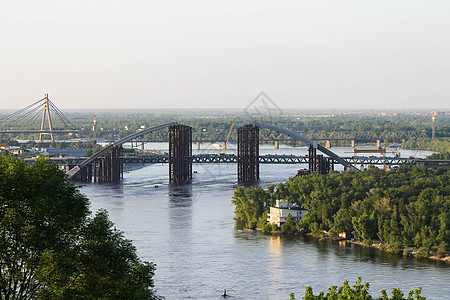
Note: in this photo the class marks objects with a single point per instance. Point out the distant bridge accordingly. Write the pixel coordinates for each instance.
(55, 131)
(361, 137)
(29, 115)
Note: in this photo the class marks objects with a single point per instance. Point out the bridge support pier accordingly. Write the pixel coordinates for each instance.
(180, 154)
(116, 163)
(248, 154)
(109, 168)
(318, 163)
(84, 175)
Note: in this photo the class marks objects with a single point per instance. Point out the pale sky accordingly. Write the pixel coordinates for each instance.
(377, 54)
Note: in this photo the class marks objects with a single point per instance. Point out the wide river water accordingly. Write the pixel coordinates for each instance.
(189, 232)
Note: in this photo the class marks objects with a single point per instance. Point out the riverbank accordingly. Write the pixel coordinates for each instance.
(405, 251)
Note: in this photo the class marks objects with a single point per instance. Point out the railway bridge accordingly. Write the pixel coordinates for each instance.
(107, 164)
(284, 159)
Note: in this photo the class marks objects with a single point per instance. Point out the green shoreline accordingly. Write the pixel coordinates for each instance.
(413, 253)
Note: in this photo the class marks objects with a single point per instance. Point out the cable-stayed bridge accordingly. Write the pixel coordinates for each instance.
(43, 112)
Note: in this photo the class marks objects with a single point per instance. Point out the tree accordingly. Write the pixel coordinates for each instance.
(288, 226)
(50, 247)
(365, 226)
(251, 204)
(342, 221)
(359, 291)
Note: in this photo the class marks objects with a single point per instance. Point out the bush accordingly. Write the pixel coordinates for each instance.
(358, 291)
(395, 247)
(441, 250)
(367, 242)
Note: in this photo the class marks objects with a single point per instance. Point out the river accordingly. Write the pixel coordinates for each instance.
(189, 232)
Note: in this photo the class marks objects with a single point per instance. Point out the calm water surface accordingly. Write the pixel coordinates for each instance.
(189, 232)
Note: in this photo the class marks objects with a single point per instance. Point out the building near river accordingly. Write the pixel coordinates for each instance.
(282, 209)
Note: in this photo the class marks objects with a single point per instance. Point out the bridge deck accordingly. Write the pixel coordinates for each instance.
(263, 159)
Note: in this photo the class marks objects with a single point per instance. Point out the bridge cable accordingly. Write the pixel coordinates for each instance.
(61, 114)
(55, 112)
(31, 121)
(24, 116)
(20, 111)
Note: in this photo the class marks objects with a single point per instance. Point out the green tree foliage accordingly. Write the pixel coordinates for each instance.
(251, 204)
(440, 144)
(289, 226)
(442, 155)
(404, 207)
(50, 247)
(358, 291)
(364, 226)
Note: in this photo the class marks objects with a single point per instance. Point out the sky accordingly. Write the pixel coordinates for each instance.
(353, 54)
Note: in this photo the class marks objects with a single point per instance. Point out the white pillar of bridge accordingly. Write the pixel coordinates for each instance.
(46, 112)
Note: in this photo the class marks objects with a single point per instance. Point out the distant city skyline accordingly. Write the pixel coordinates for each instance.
(383, 55)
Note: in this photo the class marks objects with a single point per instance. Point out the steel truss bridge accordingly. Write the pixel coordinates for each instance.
(264, 159)
(268, 136)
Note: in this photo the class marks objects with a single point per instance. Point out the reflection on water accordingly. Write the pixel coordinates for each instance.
(180, 207)
(189, 232)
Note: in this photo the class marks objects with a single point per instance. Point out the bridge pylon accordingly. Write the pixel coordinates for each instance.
(248, 154)
(180, 154)
(46, 112)
(318, 163)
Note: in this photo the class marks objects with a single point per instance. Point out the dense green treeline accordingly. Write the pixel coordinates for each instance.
(405, 207)
(440, 145)
(358, 291)
(56, 145)
(210, 125)
(442, 155)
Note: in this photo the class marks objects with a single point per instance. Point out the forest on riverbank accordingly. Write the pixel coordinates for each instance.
(439, 145)
(407, 207)
(215, 125)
